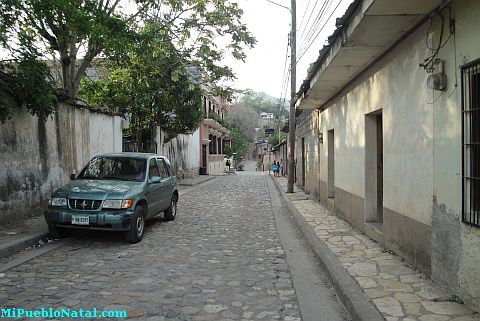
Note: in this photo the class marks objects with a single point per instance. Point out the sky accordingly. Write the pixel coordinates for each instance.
(263, 70)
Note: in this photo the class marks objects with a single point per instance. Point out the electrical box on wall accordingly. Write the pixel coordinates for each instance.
(437, 80)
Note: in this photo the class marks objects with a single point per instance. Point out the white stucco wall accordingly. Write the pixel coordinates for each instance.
(422, 164)
(37, 157)
(397, 86)
(183, 151)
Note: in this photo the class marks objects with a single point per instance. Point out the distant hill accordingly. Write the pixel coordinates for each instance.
(272, 99)
(262, 102)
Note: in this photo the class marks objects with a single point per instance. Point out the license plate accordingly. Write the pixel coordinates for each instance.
(80, 220)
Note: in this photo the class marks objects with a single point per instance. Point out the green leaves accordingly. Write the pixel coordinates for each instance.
(34, 87)
(149, 82)
(199, 27)
(27, 83)
(240, 141)
(151, 53)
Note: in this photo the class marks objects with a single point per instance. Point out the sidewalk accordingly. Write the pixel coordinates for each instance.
(398, 291)
(33, 232)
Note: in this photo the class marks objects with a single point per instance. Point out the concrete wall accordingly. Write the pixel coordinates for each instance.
(455, 245)
(216, 164)
(407, 149)
(37, 157)
(183, 152)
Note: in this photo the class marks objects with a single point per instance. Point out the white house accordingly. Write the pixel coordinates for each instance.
(389, 135)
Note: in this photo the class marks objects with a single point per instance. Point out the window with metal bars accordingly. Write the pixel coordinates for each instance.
(471, 143)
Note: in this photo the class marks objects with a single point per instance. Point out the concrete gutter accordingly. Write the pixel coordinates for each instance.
(16, 245)
(356, 301)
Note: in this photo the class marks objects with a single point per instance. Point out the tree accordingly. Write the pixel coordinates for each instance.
(261, 102)
(77, 31)
(246, 119)
(240, 141)
(27, 82)
(149, 82)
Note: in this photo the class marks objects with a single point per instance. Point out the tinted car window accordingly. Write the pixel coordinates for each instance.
(153, 169)
(163, 168)
(121, 168)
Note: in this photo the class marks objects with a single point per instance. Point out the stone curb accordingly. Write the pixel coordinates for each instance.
(30, 255)
(357, 302)
(13, 246)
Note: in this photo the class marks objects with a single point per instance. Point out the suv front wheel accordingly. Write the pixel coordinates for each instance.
(58, 232)
(137, 229)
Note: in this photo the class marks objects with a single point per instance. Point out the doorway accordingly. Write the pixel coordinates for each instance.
(203, 168)
(374, 167)
(331, 163)
(303, 162)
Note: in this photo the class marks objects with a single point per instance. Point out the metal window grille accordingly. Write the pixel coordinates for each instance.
(471, 143)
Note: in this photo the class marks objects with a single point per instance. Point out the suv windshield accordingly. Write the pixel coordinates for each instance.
(121, 168)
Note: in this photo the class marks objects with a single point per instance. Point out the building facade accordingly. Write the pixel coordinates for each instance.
(213, 135)
(388, 137)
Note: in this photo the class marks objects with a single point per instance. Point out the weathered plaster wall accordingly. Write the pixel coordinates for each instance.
(183, 152)
(37, 157)
(421, 150)
(407, 130)
(455, 245)
(396, 87)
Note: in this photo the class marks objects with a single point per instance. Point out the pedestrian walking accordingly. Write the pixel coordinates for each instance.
(275, 168)
(226, 165)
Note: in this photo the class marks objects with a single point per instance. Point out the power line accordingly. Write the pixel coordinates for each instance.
(284, 82)
(314, 27)
(303, 16)
(318, 33)
(308, 20)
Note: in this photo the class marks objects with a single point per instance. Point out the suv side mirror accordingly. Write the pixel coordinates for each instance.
(155, 179)
(73, 177)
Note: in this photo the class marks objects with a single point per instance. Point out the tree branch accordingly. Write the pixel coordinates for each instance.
(112, 8)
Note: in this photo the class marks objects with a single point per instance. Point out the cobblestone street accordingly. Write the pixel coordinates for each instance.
(221, 259)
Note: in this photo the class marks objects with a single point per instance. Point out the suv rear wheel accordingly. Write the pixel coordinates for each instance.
(171, 212)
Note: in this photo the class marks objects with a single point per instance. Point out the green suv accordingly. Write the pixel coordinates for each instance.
(115, 192)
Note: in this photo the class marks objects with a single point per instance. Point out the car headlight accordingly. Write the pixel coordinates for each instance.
(58, 201)
(117, 204)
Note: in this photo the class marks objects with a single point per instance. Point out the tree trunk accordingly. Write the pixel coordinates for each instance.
(66, 77)
(138, 138)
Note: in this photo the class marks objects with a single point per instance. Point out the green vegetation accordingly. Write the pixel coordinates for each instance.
(259, 163)
(152, 91)
(245, 115)
(148, 50)
(262, 102)
(30, 83)
(240, 141)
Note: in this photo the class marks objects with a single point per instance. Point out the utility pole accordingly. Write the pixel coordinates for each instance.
(293, 76)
